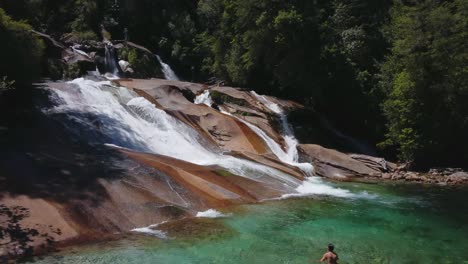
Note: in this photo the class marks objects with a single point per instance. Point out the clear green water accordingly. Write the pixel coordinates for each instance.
(393, 224)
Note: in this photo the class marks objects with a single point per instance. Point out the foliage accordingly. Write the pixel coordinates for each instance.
(144, 65)
(426, 79)
(389, 71)
(20, 50)
(319, 52)
(80, 36)
(220, 98)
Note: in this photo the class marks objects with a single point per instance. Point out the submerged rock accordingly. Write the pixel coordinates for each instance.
(194, 229)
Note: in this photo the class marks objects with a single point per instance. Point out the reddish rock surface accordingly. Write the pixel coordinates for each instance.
(333, 164)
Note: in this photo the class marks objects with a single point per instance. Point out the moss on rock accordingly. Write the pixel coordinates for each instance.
(220, 98)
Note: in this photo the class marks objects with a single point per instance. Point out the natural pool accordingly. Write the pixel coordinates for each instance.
(374, 223)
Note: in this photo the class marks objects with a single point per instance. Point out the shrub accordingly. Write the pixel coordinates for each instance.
(20, 50)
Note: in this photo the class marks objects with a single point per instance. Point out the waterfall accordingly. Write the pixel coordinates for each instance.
(110, 60)
(129, 121)
(290, 156)
(204, 98)
(169, 74)
(107, 114)
(276, 148)
(313, 185)
(288, 134)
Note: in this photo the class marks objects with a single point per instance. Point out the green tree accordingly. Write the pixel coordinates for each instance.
(324, 52)
(20, 50)
(426, 79)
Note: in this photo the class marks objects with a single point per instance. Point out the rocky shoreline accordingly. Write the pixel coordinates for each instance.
(445, 176)
(336, 165)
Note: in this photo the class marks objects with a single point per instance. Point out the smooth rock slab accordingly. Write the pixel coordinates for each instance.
(334, 164)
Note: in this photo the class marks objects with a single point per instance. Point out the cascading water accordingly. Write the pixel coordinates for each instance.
(169, 74)
(126, 120)
(110, 60)
(133, 122)
(276, 148)
(313, 184)
(204, 98)
(290, 156)
(288, 134)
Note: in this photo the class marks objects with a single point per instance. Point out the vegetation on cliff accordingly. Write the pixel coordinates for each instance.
(20, 52)
(425, 82)
(393, 72)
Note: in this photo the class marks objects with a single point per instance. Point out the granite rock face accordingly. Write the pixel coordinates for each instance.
(333, 164)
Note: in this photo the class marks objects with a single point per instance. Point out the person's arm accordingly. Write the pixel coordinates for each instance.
(324, 257)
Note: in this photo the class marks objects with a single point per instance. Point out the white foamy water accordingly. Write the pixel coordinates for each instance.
(316, 186)
(133, 122)
(211, 213)
(312, 185)
(169, 74)
(204, 98)
(129, 121)
(288, 135)
(110, 60)
(290, 156)
(276, 148)
(150, 231)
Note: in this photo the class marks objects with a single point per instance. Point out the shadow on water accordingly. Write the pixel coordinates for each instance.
(40, 157)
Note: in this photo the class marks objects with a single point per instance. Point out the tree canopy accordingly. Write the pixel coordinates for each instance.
(20, 50)
(393, 72)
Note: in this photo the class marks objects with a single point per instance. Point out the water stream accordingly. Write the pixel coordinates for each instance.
(288, 134)
(204, 98)
(110, 61)
(169, 74)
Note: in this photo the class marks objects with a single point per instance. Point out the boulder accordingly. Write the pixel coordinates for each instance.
(334, 164)
(376, 163)
(458, 178)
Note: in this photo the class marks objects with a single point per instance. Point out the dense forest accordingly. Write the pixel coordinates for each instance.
(394, 72)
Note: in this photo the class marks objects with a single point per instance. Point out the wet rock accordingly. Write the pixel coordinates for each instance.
(216, 128)
(334, 164)
(125, 66)
(376, 163)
